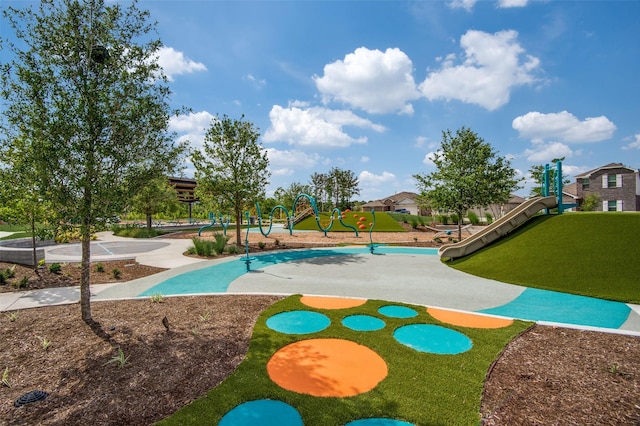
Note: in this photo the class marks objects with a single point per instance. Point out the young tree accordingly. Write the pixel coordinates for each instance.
(155, 196)
(469, 173)
(232, 167)
(342, 185)
(86, 94)
(318, 184)
(286, 197)
(590, 203)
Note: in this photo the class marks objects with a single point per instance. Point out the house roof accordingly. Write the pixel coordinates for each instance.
(607, 167)
(400, 196)
(570, 190)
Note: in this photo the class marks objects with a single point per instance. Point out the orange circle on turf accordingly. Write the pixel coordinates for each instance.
(327, 368)
(331, 302)
(468, 320)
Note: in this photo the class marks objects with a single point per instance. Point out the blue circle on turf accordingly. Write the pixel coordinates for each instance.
(298, 322)
(363, 323)
(433, 339)
(262, 412)
(397, 311)
(379, 422)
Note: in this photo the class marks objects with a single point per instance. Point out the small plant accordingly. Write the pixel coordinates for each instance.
(473, 218)
(437, 240)
(233, 249)
(44, 342)
(13, 316)
(99, 267)
(55, 268)
(195, 330)
(115, 272)
(489, 218)
(454, 218)
(157, 298)
(119, 359)
(10, 272)
(3, 278)
(204, 317)
(261, 245)
(220, 243)
(23, 283)
(415, 239)
(276, 242)
(203, 247)
(5, 377)
(41, 263)
(414, 223)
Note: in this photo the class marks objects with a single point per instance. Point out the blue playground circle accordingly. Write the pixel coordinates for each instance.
(394, 311)
(433, 339)
(378, 422)
(262, 412)
(363, 323)
(298, 322)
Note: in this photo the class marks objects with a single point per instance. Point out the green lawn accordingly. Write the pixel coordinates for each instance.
(384, 223)
(590, 254)
(420, 388)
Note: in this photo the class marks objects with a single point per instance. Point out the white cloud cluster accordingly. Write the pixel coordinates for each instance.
(563, 126)
(175, 63)
(285, 163)
(504, 4)
(315, 127)
(635, 143)
(373, 185)
(462, 4)
(493, 65)
(544, 152)
(191, 127)
(374, 81)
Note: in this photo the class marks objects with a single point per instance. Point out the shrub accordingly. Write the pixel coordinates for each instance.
(22, 283)
(116, 273)
(55, 268)
(99, 267)
(421, 220)
(3, 278)
(157, 298)
(489, 218)
(203, 247)
(233, 249)
(454, 218)
(473, 218)
(132, 231)
(10, 272)
(414, 223)
(437, 240)
(220, 243)
(276, 242)
(262, 245)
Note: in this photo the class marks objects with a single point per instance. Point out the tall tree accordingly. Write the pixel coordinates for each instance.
(469, 174)
(287, 196)
(232, 166)
(85, 91)
(318, 184)
(342, 185)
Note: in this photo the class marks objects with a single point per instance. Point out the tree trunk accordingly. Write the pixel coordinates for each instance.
(238, 223)
(149, 221)
(33, 243)
(460, 219)
(85, 275)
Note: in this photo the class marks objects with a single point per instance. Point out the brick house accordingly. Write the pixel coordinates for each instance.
(617, 185)
(402, 200)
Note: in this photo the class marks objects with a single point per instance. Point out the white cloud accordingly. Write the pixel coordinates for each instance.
(258, 83)
(285, 163)
(493, 65)
(192, 126)
(545, 152)
(563, 126)
(368, 179)
(462, 4)
(512, 3)
(635, 144)
(428, 159)
(374, 81)
(174, 63)
(364, 159)
(315, 127)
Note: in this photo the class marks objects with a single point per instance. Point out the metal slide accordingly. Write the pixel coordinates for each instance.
(499, 228)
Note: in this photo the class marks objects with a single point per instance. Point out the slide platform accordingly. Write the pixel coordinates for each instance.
(499, 228)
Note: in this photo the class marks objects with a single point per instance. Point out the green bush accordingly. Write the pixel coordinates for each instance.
(473, 218)
(220, 242)
(55, 268)
(204, 247)
(116, 273)
(132, 231)
(489, 218)
(10, 272)
(99, 267)
(233, 249)
(414, 223)
(454, 218)
(3, 278)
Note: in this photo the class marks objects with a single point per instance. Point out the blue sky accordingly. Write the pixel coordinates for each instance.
(369, 86)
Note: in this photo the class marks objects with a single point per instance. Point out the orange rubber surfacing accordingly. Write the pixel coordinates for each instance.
(327, 368)
(331, 302)
(468, 320)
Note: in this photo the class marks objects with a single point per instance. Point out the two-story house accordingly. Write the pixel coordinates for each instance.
(617, 185)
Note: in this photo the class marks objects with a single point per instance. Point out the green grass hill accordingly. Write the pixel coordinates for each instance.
(590, 254)
(384, 223)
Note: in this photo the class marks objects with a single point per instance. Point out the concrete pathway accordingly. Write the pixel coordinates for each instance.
(409, 278)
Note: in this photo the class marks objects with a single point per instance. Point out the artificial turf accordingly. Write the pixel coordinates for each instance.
(383, 222)
(420, 388)
(589, 254)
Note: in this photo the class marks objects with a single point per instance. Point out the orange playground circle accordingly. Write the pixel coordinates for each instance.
(320, 302)
(463, 319)
(327, 368)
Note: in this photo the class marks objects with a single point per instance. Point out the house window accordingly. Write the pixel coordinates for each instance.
(585, 183)
(611, 206)
(611, 181)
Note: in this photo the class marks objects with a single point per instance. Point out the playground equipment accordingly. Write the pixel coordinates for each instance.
(247, 259)
(212, 218)
(514, 218)
(292, 222)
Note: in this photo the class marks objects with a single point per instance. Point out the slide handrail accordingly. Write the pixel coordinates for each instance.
(499, 228)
